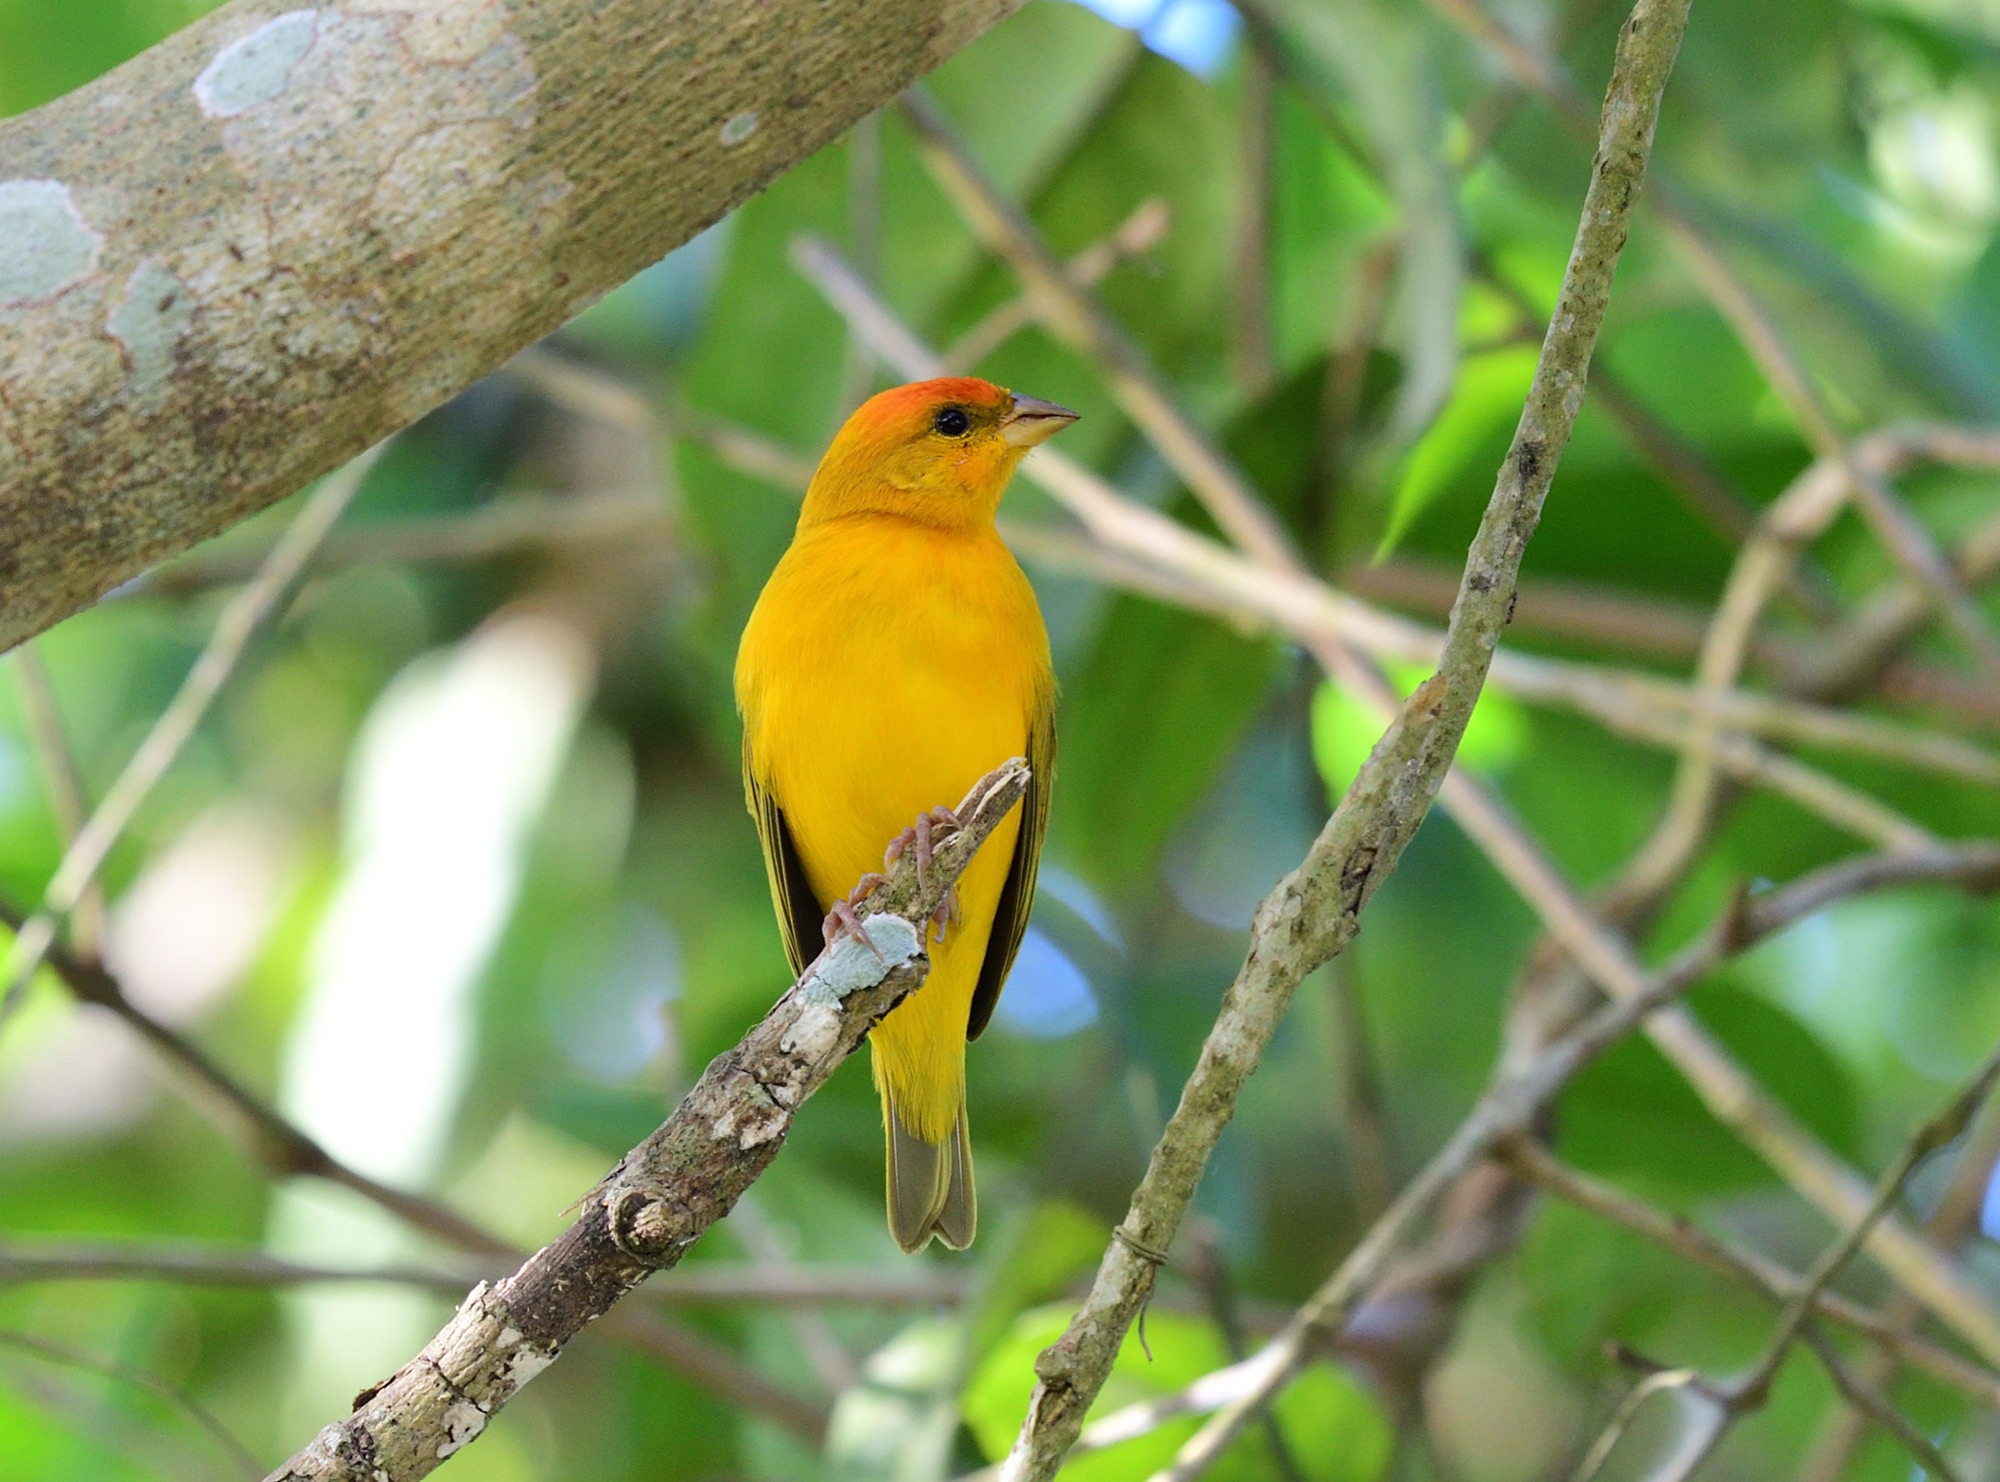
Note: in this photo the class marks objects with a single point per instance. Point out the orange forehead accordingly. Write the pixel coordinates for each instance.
(913, 405)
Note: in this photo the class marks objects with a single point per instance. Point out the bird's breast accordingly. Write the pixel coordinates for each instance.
(886, 668)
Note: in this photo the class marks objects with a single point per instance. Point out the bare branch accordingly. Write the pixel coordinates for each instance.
(239, 621)
(1743, 1265)
(710, 1283)
(666, 1192)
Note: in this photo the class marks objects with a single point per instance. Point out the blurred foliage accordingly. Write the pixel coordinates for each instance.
(556, 989)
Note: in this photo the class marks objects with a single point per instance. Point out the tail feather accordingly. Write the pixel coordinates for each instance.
(930, 1184)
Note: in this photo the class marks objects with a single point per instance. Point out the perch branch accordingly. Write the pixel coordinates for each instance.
(665, 1193)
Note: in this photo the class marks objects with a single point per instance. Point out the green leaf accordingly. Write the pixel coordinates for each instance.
(1333, 1429)
(1057, 1244)
(1146, 723)
(1586, 1280)
(1364, 63)
(1632, 1115)
(1344, 730)
(1484, 406)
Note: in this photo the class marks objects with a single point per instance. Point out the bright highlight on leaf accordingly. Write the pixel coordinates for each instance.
(1344, 730)
(1484, 405)
(1334, 1431)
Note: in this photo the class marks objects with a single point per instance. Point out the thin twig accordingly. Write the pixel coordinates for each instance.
(1743, 1265)
(186, 1406)
(239, 621)
(515, 524)
(1794, 519)
(1955, 1216)
(68, 797)
(708, 1283)
(1739, 1397)
(1138, 234)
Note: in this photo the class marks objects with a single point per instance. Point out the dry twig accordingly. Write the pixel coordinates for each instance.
(239, 621)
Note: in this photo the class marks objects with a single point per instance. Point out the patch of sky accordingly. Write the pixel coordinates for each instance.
(13, 775)
(605, 994)
(1195, 33)
(1252, 828)
(1075, 895)
(1048, 996)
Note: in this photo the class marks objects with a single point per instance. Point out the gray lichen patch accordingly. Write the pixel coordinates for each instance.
(149, 321)
(45, 244)
(254, 69)
(853, 964)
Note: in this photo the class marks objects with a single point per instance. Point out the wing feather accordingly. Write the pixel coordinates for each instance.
(799, 913)
(1017, 896)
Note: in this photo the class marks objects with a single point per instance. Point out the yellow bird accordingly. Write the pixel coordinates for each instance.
(894, 658)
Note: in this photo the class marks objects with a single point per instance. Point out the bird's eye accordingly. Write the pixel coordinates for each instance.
(952, 422)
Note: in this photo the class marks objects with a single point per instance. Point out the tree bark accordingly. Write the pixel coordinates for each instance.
(249, 253)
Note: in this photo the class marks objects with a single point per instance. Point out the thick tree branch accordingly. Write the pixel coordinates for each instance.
(666, 1192)
(256, 249)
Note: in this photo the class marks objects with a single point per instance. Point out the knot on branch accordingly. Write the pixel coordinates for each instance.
(651, 1229)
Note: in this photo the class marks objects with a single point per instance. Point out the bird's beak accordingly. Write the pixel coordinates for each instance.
(1031, 421)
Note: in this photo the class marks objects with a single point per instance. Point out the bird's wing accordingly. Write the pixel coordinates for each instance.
(799, 914)
(1017, 896)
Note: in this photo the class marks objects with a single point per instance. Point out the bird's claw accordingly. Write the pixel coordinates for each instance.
(921, 837)
(842, 921)
(945, 916)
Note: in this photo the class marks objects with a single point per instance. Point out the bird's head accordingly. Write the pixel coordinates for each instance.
(939, 452)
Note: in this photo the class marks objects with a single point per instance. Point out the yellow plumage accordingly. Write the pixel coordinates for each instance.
(895, 656)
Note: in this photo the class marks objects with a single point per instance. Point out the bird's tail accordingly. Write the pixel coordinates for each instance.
(930, 1183)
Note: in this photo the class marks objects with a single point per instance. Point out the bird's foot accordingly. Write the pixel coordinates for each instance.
(921, 836)
(842, 921)
(945, 916)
